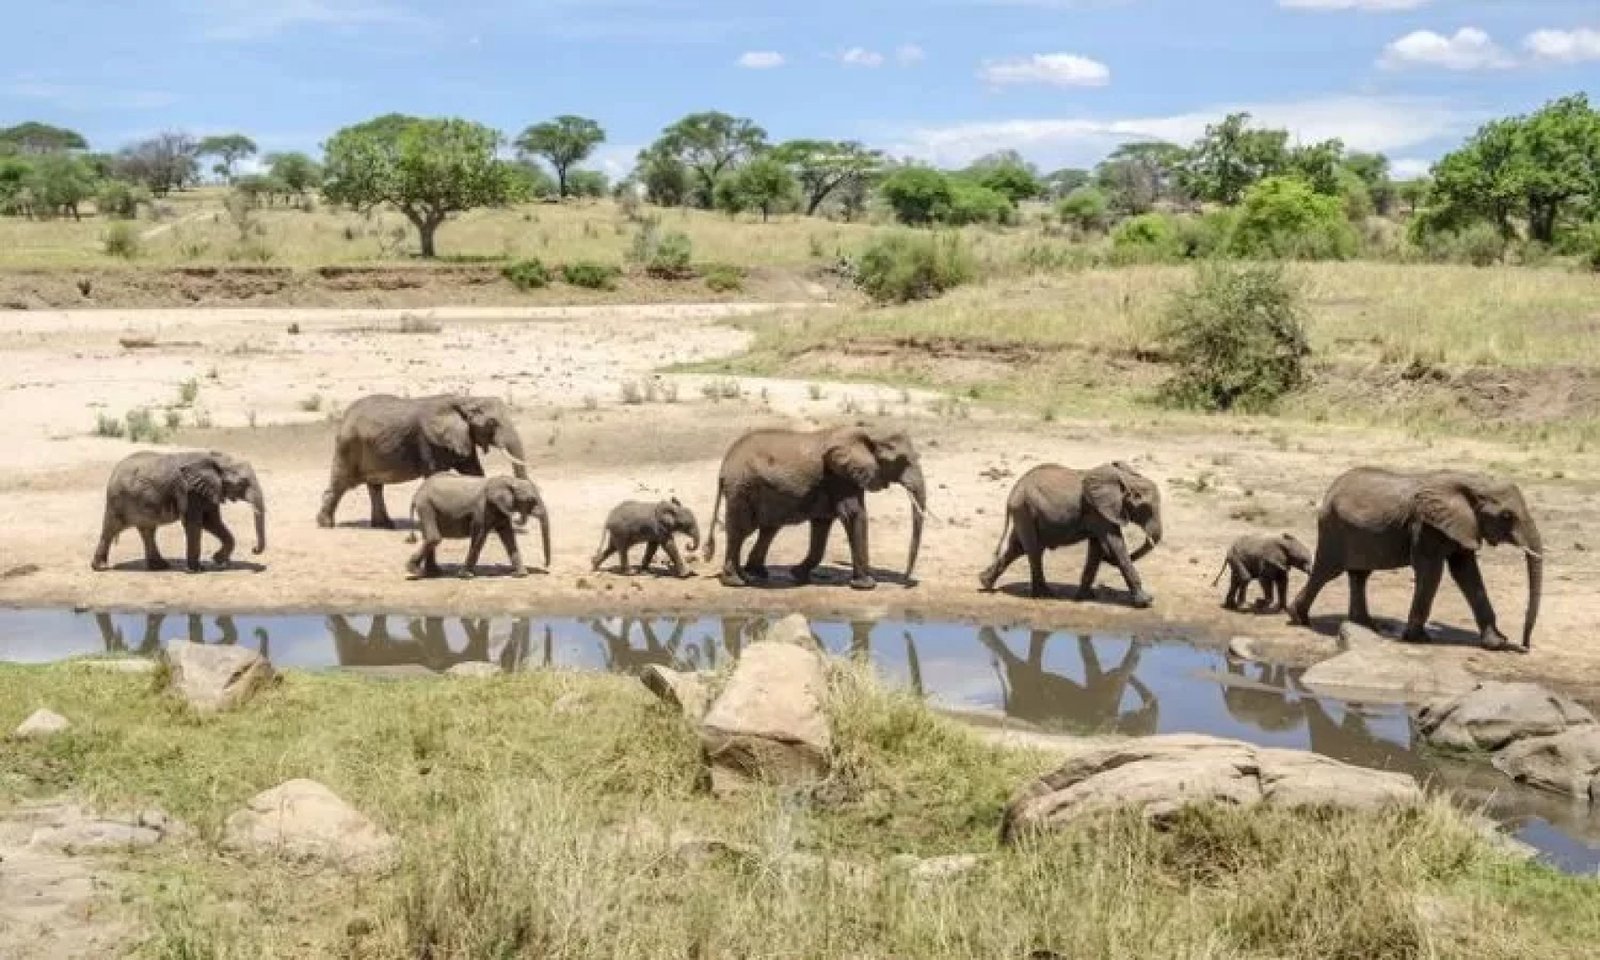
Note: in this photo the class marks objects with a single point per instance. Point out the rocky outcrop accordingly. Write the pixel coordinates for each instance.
(41, 723)
(1567, 763)
(74, 830)
(1493, 715)
(304, 820)
(1375, 670)
(684, 692)
(769, 724)
(214, 677)
(1160, 775)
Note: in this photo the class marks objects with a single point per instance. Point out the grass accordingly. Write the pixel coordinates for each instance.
(509, 814)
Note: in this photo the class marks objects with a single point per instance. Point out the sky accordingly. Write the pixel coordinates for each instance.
(1061, 81)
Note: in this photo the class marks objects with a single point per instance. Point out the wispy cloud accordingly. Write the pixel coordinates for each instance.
(263, 19)
(761, 60)
(1379, 5)
(85, 96)
(861, 57)
(1051, 69)
(908, 54)
(1467, 49)
(1564, 46)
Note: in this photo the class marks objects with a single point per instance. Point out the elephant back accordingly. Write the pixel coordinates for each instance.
(1048, 485)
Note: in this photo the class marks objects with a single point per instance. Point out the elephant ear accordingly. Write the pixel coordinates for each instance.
(1444, 507)
(1276, 558)
(447, 428)
(502, 496)
(200, 480)
(1104, 492)
(851, 455)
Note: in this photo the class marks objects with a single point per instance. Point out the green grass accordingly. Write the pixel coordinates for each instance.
(508, 812)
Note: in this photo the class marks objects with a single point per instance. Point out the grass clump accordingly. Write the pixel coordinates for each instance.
(724, 278)
(901, 267)
(108, 426)
(1238, 338)
(591, 275)
(121, 240)
(418, 323)
(529, 274)
(143, 427)
(665, 256)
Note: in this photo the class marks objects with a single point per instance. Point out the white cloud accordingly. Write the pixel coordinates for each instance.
(82, 96)
(761, 60)
(861, 57)
(260, 19)
(910, 53)
(1564, 46)
(1054, 69)
(1468, 49)
(1353, 4)
(615, 160)
(1409, 168)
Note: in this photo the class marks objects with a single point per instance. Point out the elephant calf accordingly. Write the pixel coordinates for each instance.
(1267, 561)
(448, 506)
(635, 521)
(150, 490)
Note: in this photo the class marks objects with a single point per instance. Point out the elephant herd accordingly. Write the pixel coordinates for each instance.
(1371, 519)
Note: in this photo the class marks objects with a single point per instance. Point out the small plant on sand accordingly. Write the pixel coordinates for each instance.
(1238, 339)
(590, 275)
(312, 403)
(418, 323)
(633, 392)
(529, 274)
(723, 388)
(901, 267)
(143, 428)
(814, 391)
(724, 278)
(188, 392)
(121, 240)
(174, 419)
(664, 256)
(108, 426)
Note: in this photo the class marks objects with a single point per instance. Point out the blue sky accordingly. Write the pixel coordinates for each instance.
(945, 80)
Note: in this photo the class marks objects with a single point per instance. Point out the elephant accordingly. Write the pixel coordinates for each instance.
(1377, 519)
(427, 643)
(1054, 506)
(149, 490)
(387, 439)
(1034, 694)
(776, 478)
(448, 506)
(635, 521)
(1266, 560)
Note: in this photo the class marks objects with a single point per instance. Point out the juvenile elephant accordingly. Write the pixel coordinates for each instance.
(1266, 560)
(453, 507)
(1053, 506)
(386, 439)
(635, 521)
(149, 490)
(777, 478)
(1375, 519)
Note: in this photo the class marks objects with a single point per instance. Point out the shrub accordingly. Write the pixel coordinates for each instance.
(724, 278)
(1205, 236)
(255, 251)
(1238, 339)
(529, 274)
(1149, 238)
(591, 275)
(972, 202)
(119, 200)
(1087, 208)
(899, 267)
(1479, 244)
(663, 255)
(917, 195)
(105, 426)
(121, 240)
(143, 428)
(1282, 217)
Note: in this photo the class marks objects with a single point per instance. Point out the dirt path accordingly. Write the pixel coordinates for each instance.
(589, 449)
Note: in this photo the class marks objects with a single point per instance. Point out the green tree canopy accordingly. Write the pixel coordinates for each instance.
(665, 178)
(1373, 171)
(59, 182)
(822, 167)
(1007, 173)
(1061, 182)
(563, 143)
(1318, 164)
(588, 183)
(710, 144)
(35, 137)
(1137, 176)
(428, 169)
(296, 171)
(1232, 156)
(918, 195)
(764, 184)
(229, 149)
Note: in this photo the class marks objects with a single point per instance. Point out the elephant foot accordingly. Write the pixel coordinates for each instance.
(157, 564)
(520, 573)
(325, 520)
(192, 566)
(221, 559)
(99, 565)
(730, 579)
(382, 523)
(863, 583)
(1141, 600)
(757, 573)
(414, 568)
(1493, 639)
(802, 573)
(986, 582)
(467, 574)
(1080, 595)
(1413, 633)
(1229, 605)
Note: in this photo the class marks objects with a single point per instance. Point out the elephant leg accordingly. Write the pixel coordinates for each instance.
(853, 516)
(152, 553)
(756, 565)
(1464, 571)
(1091, 570)
(1007, 557)
(814, 554)
(109, 529)
(1118, 549)
(607, 548)
(469, 569)
(1238, 586)
(1429, 571)
(622, 560)
(1276, 587)
(193, 526)
(649, 556)
(675, 558)
(732, 574)
(421, 563)
(1028, 537)
(1324, 570)
(508, 539)
(380, 510)
(212, 521)
(1358, 597)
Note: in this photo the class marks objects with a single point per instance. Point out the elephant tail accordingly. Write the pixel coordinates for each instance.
(412, 518)
(711, 531)
(1218, 578)
(1005, 538)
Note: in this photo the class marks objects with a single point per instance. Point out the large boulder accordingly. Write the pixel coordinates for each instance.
(1496, 714)
(1374, 670)
(41, 723)
(1567, 762)
(1160, 775)
(304, 820)
(794, 629)
(215, 677)
(769, 724)
(684, 692)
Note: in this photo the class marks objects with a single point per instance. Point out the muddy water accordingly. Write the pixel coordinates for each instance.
(1054, 680)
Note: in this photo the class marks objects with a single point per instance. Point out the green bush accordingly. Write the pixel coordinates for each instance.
(724, 278)
(972, 202)
(121, 240)
(899, 267)
(529, 274)
(917, 195)
(1479, 244)
(1238, 339)
(1087, 208)
(119, 200)
(1205, 236)
(1149, 238)
(663, 255)
(591, 275)
(1283, 218)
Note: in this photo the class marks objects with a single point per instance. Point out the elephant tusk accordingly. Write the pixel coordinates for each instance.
(926, 512)
(1532, 553)
(514, 460)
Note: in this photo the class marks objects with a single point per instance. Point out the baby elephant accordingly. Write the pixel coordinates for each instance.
(450, 506)
(635, 521)
(1265, 560)
(150, 490)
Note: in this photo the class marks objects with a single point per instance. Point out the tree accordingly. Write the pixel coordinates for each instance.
(1137, 176)
(1475, 182)
(708, 145)
(1062, 182)
(822, 167)
(1318, 164)
(163, 163)
(58, 183)
(563, 143)
(427, 169)
(297, 172)
(764, 183)
(1556, 163)
(33, 137)
(1283, 217)
(1005, 172)
(588, 183)
(918, 195)
(1232, 156)
(1373, 170)
(1086, 208)
(1413, 193)
(665, 178)
(14, 174)
(229, 149)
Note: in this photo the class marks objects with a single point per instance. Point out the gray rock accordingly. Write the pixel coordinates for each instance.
(769, 724)
(1567, 762)
(685, 692)
(475, 669)
(1496, 714)
(73, 830)
(1374, 670)
(215, 677)
(1297, 652)
(42, 723)
(305, 821)
(1160, 775)
(794, 629)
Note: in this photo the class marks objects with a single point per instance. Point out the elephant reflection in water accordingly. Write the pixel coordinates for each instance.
(623, 657)
(861, 652)
(1035, 694)
(150, 642)
(425, 643)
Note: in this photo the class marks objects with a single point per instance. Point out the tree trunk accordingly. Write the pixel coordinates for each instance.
(427, 225)
(561, 182)
(1542, 220)
(765, 212)
(814, 203)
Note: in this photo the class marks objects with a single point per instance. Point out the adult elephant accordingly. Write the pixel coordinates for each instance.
(1375, 519)
(1053, 506)
(149, 490)
(387, 439)
(776, 478)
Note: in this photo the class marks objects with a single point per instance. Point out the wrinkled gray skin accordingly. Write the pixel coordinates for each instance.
(150, 490)
(385, 439)
(1266, 560)
(1375, 519)
(451, 507)
(777, 478)
(654, 524)
(1053, 506)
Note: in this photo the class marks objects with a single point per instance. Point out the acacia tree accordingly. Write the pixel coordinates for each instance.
(163, 163)
(296, 171)
(58, 183)
(824, 166)
(427, 169)
(764, 183)
(563, 143)
(34, 137)
(1232, 156)
(229, 149)
(708, 145)
(1137, 176)
(1006, 172)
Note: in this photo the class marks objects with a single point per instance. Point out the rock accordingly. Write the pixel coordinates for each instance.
(1379, 671)
(685, 692)
(1567, 763)
(1297, 652)
(73, 830)
(1160, 775)
(215, 677)
(935, 869)
(1496, 714)
(41, 723)
(118, 665)
(304, 820)
(769, 724)
(793, 629)
(475, 669)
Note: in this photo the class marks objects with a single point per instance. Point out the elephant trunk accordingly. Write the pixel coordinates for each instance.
(1152, 537)
(917, 489)
(258, 503)
(543, 516)
(507, 439)
(1533, 548)
(693, 530)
